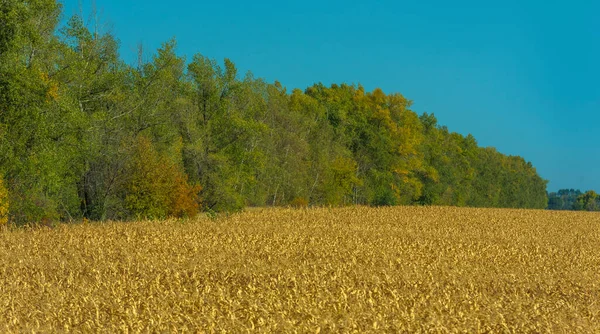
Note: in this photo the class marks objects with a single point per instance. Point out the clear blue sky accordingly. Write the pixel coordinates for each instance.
(521, 76)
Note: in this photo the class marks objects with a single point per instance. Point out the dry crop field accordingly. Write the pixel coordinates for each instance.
(357, 269)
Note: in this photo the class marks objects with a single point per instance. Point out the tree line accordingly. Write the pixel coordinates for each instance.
(571, 199)
(85, 135)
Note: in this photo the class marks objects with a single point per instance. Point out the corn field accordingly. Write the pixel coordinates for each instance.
(347, 270)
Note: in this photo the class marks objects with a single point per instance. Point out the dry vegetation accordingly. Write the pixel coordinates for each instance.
(405, 269)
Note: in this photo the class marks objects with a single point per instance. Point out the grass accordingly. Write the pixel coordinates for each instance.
(357, 269)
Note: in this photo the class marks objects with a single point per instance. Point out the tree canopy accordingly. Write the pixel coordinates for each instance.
(84, 135)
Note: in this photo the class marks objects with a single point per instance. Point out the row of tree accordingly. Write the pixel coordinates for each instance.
(571, 199)
(84, 135)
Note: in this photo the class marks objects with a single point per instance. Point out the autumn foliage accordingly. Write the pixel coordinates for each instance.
(156, 187)
(84, 135)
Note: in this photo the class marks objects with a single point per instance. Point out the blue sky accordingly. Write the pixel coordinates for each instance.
(521, 76)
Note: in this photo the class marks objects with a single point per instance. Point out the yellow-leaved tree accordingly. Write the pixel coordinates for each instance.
(157, 187)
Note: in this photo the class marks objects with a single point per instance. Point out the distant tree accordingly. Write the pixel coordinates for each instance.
(587, 201)
(555, 202)
(568, 199)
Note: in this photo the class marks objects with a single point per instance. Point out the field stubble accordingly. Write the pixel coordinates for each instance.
(357, 269)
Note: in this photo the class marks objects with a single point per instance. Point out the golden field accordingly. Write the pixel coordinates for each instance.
(357, 269)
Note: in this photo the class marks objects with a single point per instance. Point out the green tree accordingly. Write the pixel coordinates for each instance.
(96, 92)
(587, 201)
(222, 134)
(35, 125)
